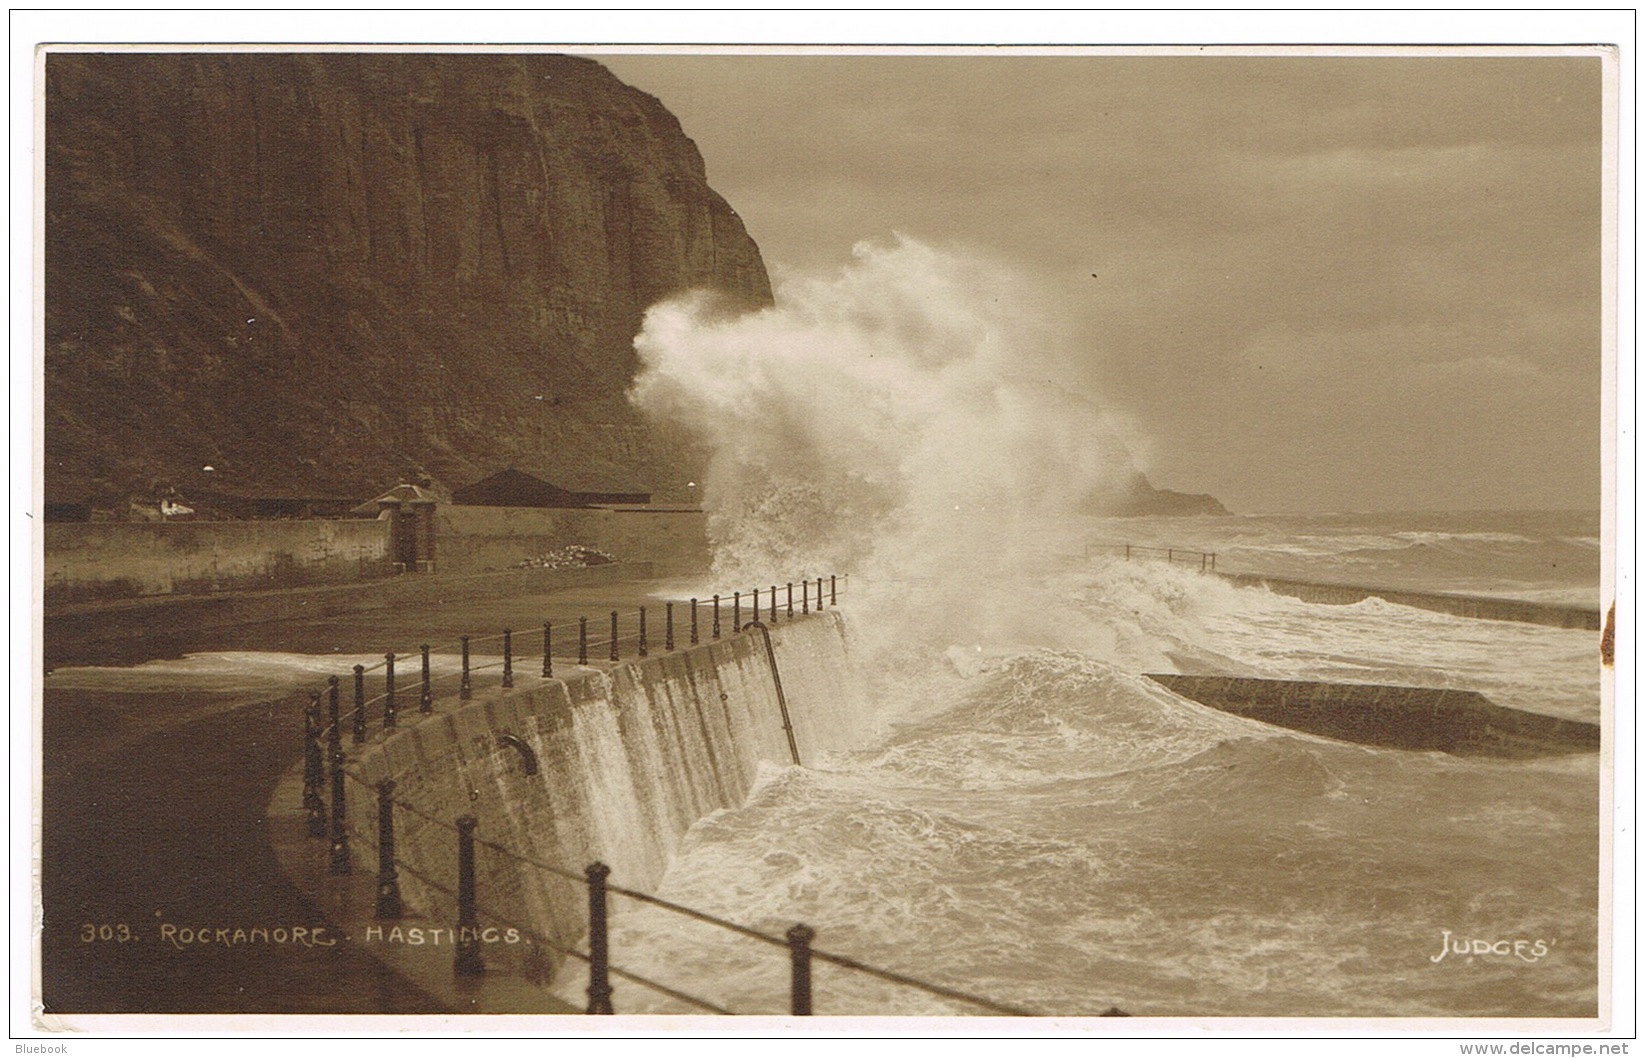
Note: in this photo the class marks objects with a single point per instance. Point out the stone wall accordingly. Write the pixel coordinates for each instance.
(114, 560)
(477, 539)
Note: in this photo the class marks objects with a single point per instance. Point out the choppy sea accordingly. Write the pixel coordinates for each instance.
(1021, 815)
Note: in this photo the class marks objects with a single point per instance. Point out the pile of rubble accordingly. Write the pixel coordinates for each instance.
(572, 556)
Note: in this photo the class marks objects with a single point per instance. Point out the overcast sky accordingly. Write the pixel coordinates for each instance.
(1314, 284)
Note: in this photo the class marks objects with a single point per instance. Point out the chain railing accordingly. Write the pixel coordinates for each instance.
(1205, 560)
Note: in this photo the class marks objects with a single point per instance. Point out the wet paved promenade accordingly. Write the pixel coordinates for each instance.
(154, 821)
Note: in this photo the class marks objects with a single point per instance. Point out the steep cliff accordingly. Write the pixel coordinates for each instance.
(320, 273)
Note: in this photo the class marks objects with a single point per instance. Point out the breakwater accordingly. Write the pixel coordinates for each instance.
(1476, 606)
(1482, 607)
(1460, 722)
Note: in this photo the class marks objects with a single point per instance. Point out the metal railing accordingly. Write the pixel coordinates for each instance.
(1205, 560)
(471, 911)
(628, 634)
(615, 636)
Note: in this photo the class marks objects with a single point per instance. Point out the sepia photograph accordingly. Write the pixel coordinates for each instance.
(982, 537)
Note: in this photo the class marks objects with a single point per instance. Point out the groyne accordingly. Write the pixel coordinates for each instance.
(1476, 606)
(1460, 722)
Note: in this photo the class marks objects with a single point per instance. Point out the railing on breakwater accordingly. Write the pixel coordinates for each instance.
(1205, 560)
(699, 619)
(619, 633)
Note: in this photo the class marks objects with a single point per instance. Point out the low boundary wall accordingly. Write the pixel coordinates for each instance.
(476, 539)
(115, 560)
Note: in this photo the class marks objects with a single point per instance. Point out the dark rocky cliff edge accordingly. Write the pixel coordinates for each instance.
(323, 273)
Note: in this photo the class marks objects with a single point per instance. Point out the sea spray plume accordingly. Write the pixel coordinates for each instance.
(905, 419)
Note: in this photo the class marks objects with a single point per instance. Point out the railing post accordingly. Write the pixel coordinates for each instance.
(790, 599)
(736, 611)
(832, 598)
(773, 605)
(819, 595)
(756, 605)
(599, 976)
(1202, 557)
(668, 626)
(582, 641)
(333, 690)
(388, 697)
(799, 956)
(508, 657)
(339, 818)
(613, 635)
(716, 617)
(1170, 556)
(548, 650)
(468, 961)
(425, 700)
(805, 597)
(314, 770)
(388, 877)
(1213, 560)
(693, 621)
(1127, 552)
(465, 690)
(644, 650)
(359, 704)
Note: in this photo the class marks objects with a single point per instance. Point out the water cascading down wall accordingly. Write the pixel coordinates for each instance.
(611, 765)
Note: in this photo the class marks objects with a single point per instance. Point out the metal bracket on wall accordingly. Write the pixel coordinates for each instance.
(528, 756)
(777, 680)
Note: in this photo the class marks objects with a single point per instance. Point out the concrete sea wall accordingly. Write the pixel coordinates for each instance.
(476, 539)
(114, 560)
(611, 765)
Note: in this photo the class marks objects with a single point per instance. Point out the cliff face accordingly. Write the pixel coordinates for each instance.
(319, 274)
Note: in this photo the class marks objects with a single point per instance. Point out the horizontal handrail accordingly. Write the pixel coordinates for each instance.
(842, 961)
(1206, 560)
(527, 931)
